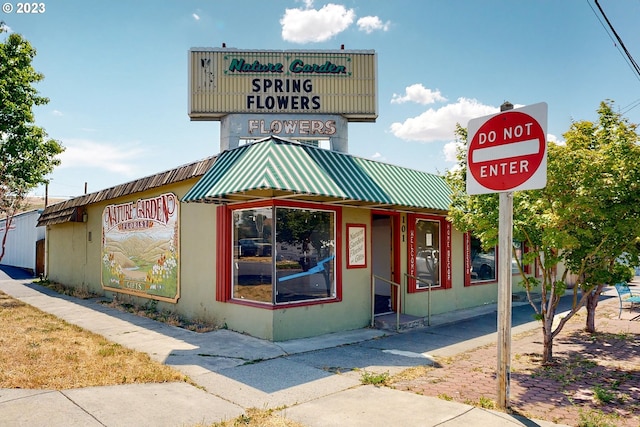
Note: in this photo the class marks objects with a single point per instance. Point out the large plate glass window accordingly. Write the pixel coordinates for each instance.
(305, 244)
(286, 257)
(252, 255)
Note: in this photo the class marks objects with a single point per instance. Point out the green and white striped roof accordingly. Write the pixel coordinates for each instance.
(277, 168)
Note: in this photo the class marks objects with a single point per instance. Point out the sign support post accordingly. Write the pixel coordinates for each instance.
(507, 153)
(505, 242)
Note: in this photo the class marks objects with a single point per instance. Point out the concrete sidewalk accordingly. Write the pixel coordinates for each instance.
(316, 380)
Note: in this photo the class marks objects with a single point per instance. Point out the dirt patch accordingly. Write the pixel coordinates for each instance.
(595, 380)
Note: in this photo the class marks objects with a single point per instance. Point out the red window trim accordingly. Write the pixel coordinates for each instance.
(445, 252)
(224, 253)
(223, 264)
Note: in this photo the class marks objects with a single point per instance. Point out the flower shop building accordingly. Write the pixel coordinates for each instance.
(283, 234)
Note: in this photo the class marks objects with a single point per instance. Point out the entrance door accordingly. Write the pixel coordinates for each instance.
(383, 264)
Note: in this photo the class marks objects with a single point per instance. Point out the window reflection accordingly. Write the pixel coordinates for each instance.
(305, 241)
(298, 246)
(252, 261)
(427, 253)
(483, 262)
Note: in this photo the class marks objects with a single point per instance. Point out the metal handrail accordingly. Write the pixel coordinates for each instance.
(429, 285)
(373, 299)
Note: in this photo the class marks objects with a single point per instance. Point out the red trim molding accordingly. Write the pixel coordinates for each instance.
(223, 254)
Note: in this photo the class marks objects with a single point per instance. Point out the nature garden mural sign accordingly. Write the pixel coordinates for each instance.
(140, 242)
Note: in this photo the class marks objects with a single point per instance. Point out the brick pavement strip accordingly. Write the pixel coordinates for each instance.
(606, 364)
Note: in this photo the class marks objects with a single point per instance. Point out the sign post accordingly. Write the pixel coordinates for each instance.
(507, 152)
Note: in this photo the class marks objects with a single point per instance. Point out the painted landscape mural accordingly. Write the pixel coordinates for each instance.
(140, 242)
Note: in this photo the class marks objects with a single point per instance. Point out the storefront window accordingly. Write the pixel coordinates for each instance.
(427, 253)
(252, 255)
(305, 242)
(283, 258)
(483, 262)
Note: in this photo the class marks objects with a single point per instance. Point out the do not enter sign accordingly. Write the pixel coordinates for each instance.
(508, 151)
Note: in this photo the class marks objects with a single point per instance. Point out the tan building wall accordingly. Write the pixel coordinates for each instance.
(74, 259)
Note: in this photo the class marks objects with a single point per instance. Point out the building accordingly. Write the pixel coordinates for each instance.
(25, 242)
(276, 236)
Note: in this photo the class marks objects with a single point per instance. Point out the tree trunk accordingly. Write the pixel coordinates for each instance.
(591, 304)
(547, 332)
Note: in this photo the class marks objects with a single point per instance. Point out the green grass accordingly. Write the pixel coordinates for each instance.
(375, 379)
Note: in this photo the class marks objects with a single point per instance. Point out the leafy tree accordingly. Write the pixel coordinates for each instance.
(585, 218)
(602, 189)
(27, 155)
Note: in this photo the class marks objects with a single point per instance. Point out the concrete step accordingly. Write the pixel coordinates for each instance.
(388, 322)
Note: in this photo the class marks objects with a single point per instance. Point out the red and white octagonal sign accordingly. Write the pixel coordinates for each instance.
(508, 151)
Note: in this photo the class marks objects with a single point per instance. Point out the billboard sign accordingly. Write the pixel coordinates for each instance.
(227, 81)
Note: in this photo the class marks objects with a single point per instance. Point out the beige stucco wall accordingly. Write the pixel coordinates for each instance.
(74, 259)
(67, 255)
(74, 251)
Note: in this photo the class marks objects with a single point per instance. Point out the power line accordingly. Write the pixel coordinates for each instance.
(620, 44)
(630, 107)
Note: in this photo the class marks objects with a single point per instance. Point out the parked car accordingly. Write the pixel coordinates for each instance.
(254, 247)
(483, 266)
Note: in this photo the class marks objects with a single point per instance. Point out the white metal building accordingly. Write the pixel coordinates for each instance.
(22, 238)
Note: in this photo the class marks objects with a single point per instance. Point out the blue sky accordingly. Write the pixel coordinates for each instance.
(116, 72)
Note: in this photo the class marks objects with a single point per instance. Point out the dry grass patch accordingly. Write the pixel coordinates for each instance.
(149, 310)
(257, 418)
(412, 373)
(40, 351)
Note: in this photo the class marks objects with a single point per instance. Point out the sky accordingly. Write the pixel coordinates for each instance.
(116, 72)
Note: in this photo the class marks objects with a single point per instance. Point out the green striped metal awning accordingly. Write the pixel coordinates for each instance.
(278, 168)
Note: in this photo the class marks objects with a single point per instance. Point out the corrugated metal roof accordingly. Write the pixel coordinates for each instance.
(408, 187)
(66, 211)
(274, 167)
(277, 167)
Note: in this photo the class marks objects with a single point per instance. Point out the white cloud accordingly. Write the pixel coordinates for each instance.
(378, 157)
(195, 16)
(450, 151)
(440, 124)
(418, 93)
(311, 25)
(555, 140)
(5, 28)
(369, 24)
(82, 153)
(57, 113)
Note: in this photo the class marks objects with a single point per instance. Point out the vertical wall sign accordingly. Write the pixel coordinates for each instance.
(356, 246)
(140, 253)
